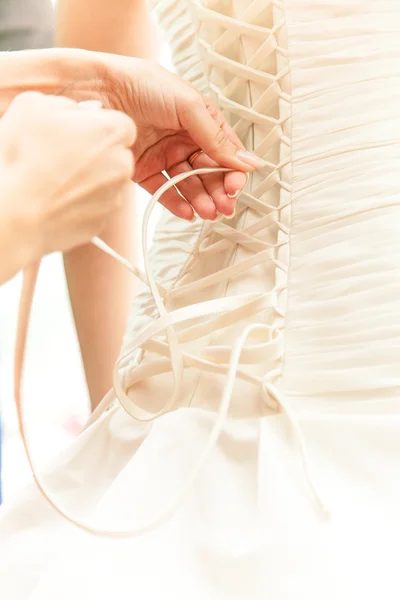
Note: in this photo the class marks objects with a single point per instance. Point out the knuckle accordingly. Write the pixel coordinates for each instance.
(40, 106)
(220, 139)
(62, 102)
(26, 101)
(119, 126)
(30, 96)
(128, 164)
(192, 100)
(126, 129)
(213, 111)
(190, 106)
(197, 100)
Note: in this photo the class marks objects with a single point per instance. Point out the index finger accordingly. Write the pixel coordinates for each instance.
(209, 130)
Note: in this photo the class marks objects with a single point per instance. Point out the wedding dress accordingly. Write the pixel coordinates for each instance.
(251, 448)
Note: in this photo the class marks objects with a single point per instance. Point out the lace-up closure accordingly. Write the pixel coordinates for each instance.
(247, 70)
(260, 112)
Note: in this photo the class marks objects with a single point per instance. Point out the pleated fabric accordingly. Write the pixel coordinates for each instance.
(298, 493)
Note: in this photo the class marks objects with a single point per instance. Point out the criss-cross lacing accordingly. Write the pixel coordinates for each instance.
(166, 335)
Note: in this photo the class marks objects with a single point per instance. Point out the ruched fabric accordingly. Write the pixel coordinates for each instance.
(251, 444)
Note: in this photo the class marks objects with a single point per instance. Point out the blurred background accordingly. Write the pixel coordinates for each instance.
(55, 396)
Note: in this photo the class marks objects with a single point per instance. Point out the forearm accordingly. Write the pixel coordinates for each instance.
(121, 26)
(50, 72)
(101, 292)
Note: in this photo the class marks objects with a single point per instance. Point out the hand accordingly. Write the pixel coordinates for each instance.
(173, 121)
(67, 169)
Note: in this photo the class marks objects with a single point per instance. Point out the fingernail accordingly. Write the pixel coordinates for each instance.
(235, 194)
(232, 215)
(250, 159)
(90, 104)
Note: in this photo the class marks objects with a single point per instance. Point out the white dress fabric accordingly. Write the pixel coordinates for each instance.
(276, 471)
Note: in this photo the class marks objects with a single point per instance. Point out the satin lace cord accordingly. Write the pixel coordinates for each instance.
(165, 322)
(270, 113)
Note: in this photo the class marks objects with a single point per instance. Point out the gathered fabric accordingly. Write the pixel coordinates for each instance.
(249, 446)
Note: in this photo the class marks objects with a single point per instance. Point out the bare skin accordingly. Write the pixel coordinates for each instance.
(101, 292)
(172, 119)
(54, 198)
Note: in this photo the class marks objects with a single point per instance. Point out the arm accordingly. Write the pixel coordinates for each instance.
(47, 71)
(50, 72)
(101, 291)
(44, 206)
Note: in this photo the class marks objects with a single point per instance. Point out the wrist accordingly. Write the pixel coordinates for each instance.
(119, 76)
(75, 73)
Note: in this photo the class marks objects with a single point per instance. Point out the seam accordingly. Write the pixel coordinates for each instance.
(232, 259)
(277, 288)
(290, 234)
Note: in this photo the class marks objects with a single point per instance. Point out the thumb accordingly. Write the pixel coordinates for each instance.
(208, 129)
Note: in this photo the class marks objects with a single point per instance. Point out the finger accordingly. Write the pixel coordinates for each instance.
(214, 184)
(171, 199)
(90, 104)
(102, 171)
(113, 125)
(234, 183)
(29, 97)
(202, 121)
(36, 100)
(115, 165)
(194, 192)
(224, 188)
(219, 118)
(110, 198)
(119, 125)
(159, 157)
